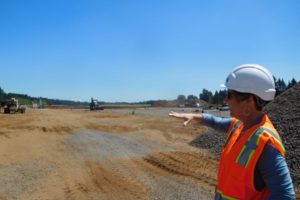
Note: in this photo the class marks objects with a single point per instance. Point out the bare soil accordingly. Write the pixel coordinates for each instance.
(77, 154)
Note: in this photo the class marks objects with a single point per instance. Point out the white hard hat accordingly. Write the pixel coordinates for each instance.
(252, 78)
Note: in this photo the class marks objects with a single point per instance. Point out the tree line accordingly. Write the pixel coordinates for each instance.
(218, 96)
(25, 99)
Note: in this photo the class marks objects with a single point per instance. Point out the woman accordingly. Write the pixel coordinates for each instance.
(252, 164)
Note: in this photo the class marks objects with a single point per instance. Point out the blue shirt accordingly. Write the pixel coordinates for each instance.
(271, 170)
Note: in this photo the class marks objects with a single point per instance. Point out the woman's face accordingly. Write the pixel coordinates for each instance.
(236, 106)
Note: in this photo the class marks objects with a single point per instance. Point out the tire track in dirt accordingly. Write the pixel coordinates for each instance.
(164, 184)
(77, 190)
(189, 164)
(124, 166)
(104, 181)
(111, 181)
(74, 191)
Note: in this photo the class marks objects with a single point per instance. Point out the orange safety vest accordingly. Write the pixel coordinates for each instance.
(239, 158)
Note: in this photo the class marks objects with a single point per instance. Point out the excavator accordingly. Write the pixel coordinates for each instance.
(94, 105)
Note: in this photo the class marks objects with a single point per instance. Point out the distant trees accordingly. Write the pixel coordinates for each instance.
(28, 100)
(181, 98)
(213, 98)
(191, 98)
(216, 98)
(291, 83)
(281, 86)
(206, 95)
(2, 94)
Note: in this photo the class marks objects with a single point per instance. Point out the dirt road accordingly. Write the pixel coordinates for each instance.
(77, 154)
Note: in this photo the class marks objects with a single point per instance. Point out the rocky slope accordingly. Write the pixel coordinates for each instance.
(284, 112)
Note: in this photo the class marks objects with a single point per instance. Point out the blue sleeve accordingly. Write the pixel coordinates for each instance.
(275, 173)
(218, 123)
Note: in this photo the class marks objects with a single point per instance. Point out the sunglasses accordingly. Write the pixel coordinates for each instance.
(229, 94)
(238, 95)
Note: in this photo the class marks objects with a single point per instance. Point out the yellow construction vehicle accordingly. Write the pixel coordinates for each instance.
(12, 106)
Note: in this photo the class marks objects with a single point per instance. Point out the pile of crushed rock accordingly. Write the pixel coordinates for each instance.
(284, 112)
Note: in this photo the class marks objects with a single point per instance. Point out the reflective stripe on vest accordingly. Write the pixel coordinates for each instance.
(236, 124)
(276, 136)
(252, 143)
(220, 196)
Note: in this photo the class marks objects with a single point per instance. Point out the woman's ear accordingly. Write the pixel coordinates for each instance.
(251, 101)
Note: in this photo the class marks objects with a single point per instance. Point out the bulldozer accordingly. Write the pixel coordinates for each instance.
(12, 106)
(94, 105)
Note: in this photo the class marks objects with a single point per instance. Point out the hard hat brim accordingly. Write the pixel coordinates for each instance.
(223, 86)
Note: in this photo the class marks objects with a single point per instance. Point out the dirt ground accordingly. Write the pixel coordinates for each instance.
(77, 154)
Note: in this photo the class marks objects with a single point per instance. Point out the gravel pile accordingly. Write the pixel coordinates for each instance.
(284, 112)
(212, 140)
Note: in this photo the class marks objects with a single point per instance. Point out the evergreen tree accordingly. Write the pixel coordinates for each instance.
(222, 96)
(292, 83)
(280, 86)
(191, 99)
(216, 98)
(181, 99)
(2, 94)
(206, 95)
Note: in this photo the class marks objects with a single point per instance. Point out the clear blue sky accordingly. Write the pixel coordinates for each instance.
(126, 50)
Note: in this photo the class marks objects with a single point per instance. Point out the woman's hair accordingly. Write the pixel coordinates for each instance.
(259, 103)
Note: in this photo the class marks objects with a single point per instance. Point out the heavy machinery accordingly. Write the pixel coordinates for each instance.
(12, 106)
(94, 105)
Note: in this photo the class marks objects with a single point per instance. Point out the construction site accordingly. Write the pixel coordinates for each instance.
(78, 154)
